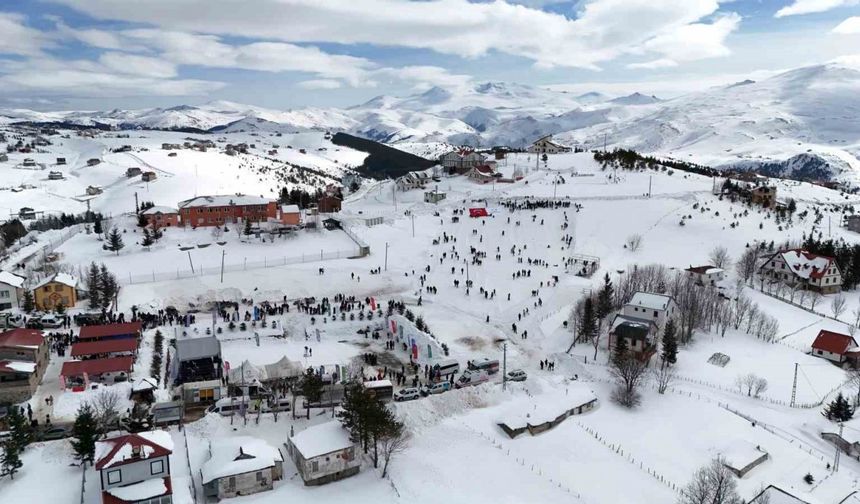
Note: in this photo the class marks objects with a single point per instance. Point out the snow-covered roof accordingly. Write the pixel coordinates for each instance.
(650, 301)
(321, 439)
(160, 209)
(806, 264)
(547, 407)
(631, 321)
(61, 278)
(17, 367)
(139, 491)
(238, 455)
(224, 200)
(705, 270)
(11, 279)
(739, 453)
(121, 449)
(144, 384)
(290, 209)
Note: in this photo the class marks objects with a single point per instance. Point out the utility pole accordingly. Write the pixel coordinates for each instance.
(222, 265)
(467, 272)
(504, 366)
(413, 224)
(794, 387)
(394, 194)
(649, 186)
(190, 262)
(136, 205)
(836, 457)
(386, 256)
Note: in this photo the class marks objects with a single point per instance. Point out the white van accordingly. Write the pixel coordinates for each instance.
(472, 377)
(232, 406)
(281, 404)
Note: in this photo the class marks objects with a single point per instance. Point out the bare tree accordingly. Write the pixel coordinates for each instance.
(629, 373)
(719, 257)
(634, 242)
(814, 298)
(759, 387)
(664, 376)
(837, 305)
(392, 442)
(746, 265)
(106, 409)
(217, 232)
(712, 484)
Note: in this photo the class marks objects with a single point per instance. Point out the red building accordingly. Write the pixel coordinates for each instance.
(220, 210)
(329, 204)
(161, 216)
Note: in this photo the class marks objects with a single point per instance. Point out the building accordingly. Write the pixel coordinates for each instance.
(461, 160)
(852, 223)
(412, 180)
(196, 359)
(23, 359)
(132, 172)
(482, 174)
(79, 374)
(161, 216)
(104, 349)
(61, 160)
(740, 457)
(26, 213)
(119, 331)
(290, 215)
(706, 275)
(55, 175)
(763, 195)
(434, 197)
(545, 145)
(640, 335)
(135, 468)
(329, 204)
(11, 290)
(803, 269)
(94, 190)
(220, 210)
(324, 453)
(56, 290)
(241, 465)
(833, 346)
(656, 308)
(170, 146)
(93, 161)
(148, 176)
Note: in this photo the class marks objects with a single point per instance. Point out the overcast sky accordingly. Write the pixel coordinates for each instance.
(100, 54)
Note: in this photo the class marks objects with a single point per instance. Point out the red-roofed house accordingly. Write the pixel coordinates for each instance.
(461, 160)
(135, 468)
(833, 346)
(481, 173)
(23, 360)
(80, 373)
(127, 330)
(808, 270)
(126, 347)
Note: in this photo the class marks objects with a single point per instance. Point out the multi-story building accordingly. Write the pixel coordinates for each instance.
(803, 269)
(220, 210)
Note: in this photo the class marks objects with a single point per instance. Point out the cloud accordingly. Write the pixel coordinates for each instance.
(849, 26)
(695, 41)
(17, 39)
(320, 84)
(812, 6)
(654, 64)
(138, 65)
(425, 76)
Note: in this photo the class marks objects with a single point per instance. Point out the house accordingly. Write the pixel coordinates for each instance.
(170, 146)
(763, 195)
(61, 160)
(55, 175)
(78, 374)
(11, 290)
(148, 176)
(56, 290)
(706, 275)
(23, 359)
(290, 215)
(324, 453)
(412, 180)
(329, 204)
(657, 308)
(434, 197)
(461, 160)
(219, 210)
(482, 174)
(803, 269)
(94, 190)
(26, 213)
(833, 346)
(240, 465)
(545, 145)
(740, 457)
(852, 223)
(196, 359)
(135, 468)
(105, 332)
(134, 171)
(103, 349)
(29, 162)
(776, 495)
(206, 391)
(93, 161)
(161, 216)
(639, 334)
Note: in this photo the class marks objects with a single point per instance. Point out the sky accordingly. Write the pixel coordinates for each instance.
(103, 54)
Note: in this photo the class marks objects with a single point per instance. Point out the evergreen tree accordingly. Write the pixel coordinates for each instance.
(94, 286)
(142, 221)
(60, 308)
(97, 225)
(29, 304)
(839, 410)
(355, 400)
(670, 344)
(587, 321)
(115, 243)
(11, 461)
(604, 298)
(147, 240)
(108, 287)
(20, 431)
(311, 388)
(620, 352)
(247, 231)
(85, 434)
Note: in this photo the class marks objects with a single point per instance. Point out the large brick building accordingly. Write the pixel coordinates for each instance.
(220, 210)
(23, 360)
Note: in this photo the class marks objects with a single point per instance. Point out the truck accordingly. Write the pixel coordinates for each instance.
(472, 377)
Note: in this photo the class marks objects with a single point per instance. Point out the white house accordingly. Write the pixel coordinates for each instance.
(412, 180)
(656, 308)
(805, 269)
(708, 276)
(833, 346)
(324, 453)
(11, 290)
(545, 145)
(135, 468)
(240, 465)
(461, 160)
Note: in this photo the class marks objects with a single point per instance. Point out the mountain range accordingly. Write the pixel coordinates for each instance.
(803, 122)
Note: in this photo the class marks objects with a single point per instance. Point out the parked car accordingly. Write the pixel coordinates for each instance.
(516, 375)
(407, 394)
(53, 433)
(51, 321)
(436, 388)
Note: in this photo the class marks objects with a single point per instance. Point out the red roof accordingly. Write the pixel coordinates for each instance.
(110, 499)
(104, 346)
(109, 330)
(135, 441)
(833, 342)
(486, 169)
(97, 366)
(21, 337)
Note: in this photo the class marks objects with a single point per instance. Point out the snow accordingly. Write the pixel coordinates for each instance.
(321, 439)
(159, 437)
(159, 209)
(21, 367)
(803, 264)
(139, 491)
(224, 200)
(11, 279)
(224, 452)
(739, 453)
(62, 278)
(650, 301)
(547, 407)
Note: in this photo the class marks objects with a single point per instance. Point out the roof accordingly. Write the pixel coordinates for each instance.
(197, 348)
(17, 367)
(485, 169)
(160, 209)
(805, 264)
(650, 301)
(108, 330)
(321, 439)
(632, 328)
(143, 384)
(705, 270)
(739, 453)
(224, 200)
(104, 346)
(61, 278)
(290, 209)
(11, 279)
(238, 455)
(136, 492)
(121, 449)
(97, 366)
(27, 338)
(833, 342)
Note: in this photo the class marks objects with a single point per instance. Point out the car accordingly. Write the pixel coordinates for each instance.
(407, 394)
(51, 322)
(516, 375)
(54, 433)
(436, 388)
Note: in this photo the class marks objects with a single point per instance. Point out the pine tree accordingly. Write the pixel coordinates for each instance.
(839, 410)
(354, 416)
(587, 321)
(670, 344)
(85, 434)
(311, 388)
(247, 231)
(115, 243)
(94, 286)
(29, 304)
(620, 352)
(21, 432)
(604, 298)
(108, 287)
(97, 225)
(60, 308)
(142, 221)
(11, 461)
(147, 238)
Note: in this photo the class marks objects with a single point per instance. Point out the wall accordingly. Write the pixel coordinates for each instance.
(11, 297)
(330, 467)
(245, 484)
(135, 472)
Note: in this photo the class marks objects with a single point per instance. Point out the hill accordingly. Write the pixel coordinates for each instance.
(382, 161)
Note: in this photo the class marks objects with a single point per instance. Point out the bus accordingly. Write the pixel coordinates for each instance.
(381, 389)
(445, 369)
(491, 366)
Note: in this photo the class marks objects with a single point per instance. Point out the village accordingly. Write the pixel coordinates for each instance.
(506, 315)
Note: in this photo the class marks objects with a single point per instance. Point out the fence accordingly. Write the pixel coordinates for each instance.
(83, 481)
(52, 245)
(199, 271)
(190, 471)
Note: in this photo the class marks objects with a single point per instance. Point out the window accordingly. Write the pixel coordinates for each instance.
(156, 467)
(58, 288)
(5, 294)
(114, 477)
(315, 466)
(655, 313)
(231, 483)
